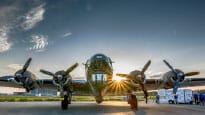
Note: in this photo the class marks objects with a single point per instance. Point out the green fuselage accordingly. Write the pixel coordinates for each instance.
(99, 72)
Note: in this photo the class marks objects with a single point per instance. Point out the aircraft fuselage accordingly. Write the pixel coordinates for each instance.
(99, 72)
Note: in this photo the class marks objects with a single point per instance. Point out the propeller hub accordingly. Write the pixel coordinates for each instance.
(180, 74)
(18, 77)
(141, 77)
(179, 77)
(60, 80)
(60, 77)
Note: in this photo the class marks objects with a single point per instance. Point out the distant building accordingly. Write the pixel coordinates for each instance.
(10, 90)
(44, 92)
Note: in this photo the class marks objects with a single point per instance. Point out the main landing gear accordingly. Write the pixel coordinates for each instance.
(132, 100)
(66, 101)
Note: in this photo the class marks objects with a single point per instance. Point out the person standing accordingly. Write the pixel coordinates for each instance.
(157, 99)
(176, 99)
(201, 99)
(196, 99)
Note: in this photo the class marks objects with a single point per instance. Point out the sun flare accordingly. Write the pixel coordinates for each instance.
(118, 79)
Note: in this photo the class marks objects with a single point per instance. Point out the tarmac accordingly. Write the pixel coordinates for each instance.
(91, 108)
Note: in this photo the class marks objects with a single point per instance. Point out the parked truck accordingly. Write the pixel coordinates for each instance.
(183, 96)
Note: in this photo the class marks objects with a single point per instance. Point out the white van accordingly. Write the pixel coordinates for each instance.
(184, 96)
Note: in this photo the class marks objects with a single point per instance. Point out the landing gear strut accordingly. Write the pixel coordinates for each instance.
(98, 101)
(64, 103)
(99, 98)
(66, 100)
(132, 100)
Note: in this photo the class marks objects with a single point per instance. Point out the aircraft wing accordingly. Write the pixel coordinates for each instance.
(46, 84)
(81, 86)
(153, 84)
(78, 85)
(193, 82)
(6, 81)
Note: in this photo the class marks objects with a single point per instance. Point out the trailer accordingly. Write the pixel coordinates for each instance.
(184, 96)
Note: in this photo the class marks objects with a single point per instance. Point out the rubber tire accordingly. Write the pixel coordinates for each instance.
(170, 102)
(64, 105)
(98, 101)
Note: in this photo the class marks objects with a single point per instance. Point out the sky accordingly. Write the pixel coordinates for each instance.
(59, 33)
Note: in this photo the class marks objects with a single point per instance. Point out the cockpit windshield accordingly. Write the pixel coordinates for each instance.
(99, 77)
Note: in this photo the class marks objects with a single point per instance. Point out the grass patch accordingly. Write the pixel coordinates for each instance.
(74, 98)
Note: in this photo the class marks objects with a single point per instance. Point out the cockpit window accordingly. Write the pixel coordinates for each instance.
(99, 56)
(99, 77)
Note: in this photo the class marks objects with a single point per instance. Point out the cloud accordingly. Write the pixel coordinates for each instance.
(13, 19)
(4, 44)
(7, 14)
(33, 17)
(39, 43)
(15, 66)
(67, 34)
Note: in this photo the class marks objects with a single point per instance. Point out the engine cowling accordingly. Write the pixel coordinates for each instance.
(60, 79)
(138, 77)
(27, 80)
(170, 78)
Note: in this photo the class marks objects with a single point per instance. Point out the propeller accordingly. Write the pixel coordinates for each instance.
(47, 72)
(144, 91)
(60, 78)
(71, 68)
(146, 67)
(136, 75)
(144, 80)
(26, 65)
(191, 74)
(66, 72)
(173, 70)
(20, 74)
(178, 77)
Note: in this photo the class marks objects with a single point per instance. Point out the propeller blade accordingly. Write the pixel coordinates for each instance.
(176, 86)
(144, 91)
(71, 68)
(192, 73)
(146, 66)
(26, 65)
(173, 70)
(47, 72)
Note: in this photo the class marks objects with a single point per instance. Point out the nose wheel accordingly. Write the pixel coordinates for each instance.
(98, 101)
